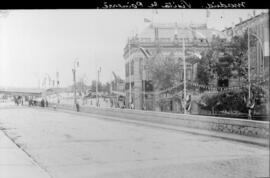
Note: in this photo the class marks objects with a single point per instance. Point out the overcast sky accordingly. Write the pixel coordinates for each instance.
(34, 43)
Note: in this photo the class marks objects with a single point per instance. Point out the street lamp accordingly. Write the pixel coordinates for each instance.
(249, 70)
(184, 63)
(99, 70)
(261, 44)
(75, 64)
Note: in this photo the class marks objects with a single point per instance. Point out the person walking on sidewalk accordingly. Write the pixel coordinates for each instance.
(77, 107)
(250, 106)
(46, 103)
(188, 104)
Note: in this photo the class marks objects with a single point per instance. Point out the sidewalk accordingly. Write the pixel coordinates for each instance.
(14, 163)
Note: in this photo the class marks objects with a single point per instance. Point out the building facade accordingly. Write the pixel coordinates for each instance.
(167, 39)
(259, 52)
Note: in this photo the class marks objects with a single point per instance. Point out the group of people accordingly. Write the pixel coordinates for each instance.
(18, 100)
(33, 102)
(44, 103)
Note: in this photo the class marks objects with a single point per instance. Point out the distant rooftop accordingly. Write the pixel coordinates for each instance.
(169, 30)
(253, 18)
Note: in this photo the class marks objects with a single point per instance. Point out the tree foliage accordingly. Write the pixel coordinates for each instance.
(225, 59)
(204, 70)
(234, 100)
(165, 71)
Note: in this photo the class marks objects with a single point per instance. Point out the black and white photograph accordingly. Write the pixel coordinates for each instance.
(134, 93)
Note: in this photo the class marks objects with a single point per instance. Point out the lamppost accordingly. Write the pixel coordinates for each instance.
(75, 64)
(249, 70)
(184, 63)
(57, 85)
(99, 70)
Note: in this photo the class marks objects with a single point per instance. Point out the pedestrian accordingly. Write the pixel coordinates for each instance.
(188, 104)
(42, 103)
(29, 102)
(250, 106)
(77, 107)
(132, 106)
(124, 104)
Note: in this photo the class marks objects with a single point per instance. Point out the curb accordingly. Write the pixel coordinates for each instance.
(31, 159)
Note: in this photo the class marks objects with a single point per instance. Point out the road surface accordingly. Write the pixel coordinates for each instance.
(67, 145)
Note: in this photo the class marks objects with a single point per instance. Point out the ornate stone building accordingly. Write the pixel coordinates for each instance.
(168, 40)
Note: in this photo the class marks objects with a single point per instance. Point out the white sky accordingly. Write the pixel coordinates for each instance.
(36, 42)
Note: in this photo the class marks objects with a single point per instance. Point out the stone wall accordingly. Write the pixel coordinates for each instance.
(259, 129)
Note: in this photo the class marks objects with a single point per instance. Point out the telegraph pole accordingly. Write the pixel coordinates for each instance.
(99, 70)
(74, 80)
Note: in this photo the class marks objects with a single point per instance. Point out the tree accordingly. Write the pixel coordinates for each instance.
(223, 69)
(234, 101)
(239, 51)
(224, 59)
(204, 74)
(165, 72)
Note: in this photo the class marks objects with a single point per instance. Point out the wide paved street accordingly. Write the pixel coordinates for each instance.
(67, 145)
